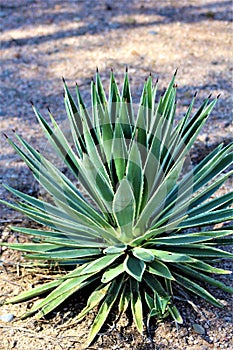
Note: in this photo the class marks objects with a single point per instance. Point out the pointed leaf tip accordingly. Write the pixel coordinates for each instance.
(126, 69)
(97, 70)
(6, 136)
(176, 72)
(218, 96)
(195, 94)
(32, 103)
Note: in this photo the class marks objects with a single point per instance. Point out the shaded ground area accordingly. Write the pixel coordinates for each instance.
(41, 41)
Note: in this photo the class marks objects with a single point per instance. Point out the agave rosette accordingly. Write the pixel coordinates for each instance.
(146, 226)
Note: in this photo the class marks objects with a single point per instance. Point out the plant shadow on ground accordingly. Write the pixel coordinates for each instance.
(104, 11)
(105, 19)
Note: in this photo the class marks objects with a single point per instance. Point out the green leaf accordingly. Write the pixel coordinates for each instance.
(207, 219)
(82, 107)
(152, 162)
(53, 235)
(160, 269)
(124, 299)
(217, 203)
(114, 99)
(118, 248)
(62, 190)
(154, 284)
(100, 89)
(184, 239)
(150, 102)
(182, 194)
(119, 151)
(221, 241)
(200, 250)
(168, 256)
(124, 210)
(127, 99)
(174, 312)
(192, 129)
(159, 196)
(134, 267)
(53, 303)
(134, 174)
(100, 264)
(201, 265)
(161, 304)
(34, 292)
(196, 289)
(75, 120)
(124, 115)
(67, 226)
(140, 124)
(30, 247)
(154, 231)
(63, 290)
(93, 300)
(62, 253)
(136, 304)
(105, 308)
(62, 240)
(95, 158)
(209, 190)
(203, 278)
(112, 273)
(143, 254)
(102, 186)
(149, 301)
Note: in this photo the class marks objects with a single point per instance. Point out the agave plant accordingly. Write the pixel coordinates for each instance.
(146, 228)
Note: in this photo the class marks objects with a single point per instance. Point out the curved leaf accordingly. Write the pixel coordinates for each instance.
(112, 273)
(93, 300)
(196, 289)
(134, 267)
(105, 308)
(143, 254)
(100, 264)
(160, 269)
(136, 304)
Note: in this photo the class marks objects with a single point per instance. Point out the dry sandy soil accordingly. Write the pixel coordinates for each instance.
(44, 40)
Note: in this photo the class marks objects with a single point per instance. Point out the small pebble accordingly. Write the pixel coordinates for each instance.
(198, 328)
(228, 319)
(6, 317)
(153, 32)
